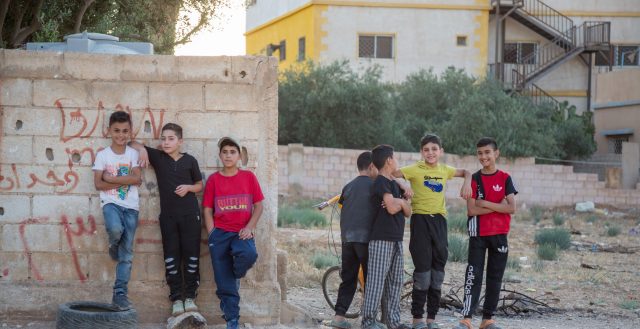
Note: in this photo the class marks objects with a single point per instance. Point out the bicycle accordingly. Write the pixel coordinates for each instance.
(331, 279)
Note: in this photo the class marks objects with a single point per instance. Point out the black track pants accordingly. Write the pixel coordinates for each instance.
(428, 246)
(181, 248)
(496, 249)
(354, 255)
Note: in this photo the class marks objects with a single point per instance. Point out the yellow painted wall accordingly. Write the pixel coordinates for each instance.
(304, 22)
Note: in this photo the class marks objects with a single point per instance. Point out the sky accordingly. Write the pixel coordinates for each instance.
(225, 38)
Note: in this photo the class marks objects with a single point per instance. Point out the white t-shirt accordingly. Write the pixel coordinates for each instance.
(118, 165)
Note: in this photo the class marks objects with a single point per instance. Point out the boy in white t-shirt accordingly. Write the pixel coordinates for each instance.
(116, 176)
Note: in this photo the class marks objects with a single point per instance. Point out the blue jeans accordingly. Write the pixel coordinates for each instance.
(231, 258)
(121, 224)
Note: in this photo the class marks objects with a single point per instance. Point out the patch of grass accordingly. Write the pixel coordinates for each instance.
(613, 230)
(592, 218)
(538, 265)
(513, 263)
(323, 260)
(458, 248)
(547, 251)
(630, 304)
(558, 219)
(300, 218)
(537, 213)
(457, 222)
(560, 237)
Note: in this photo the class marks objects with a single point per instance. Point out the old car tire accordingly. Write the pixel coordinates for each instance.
(94, 315)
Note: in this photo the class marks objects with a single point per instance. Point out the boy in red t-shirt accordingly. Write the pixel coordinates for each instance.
(232, 204)
(490, 209)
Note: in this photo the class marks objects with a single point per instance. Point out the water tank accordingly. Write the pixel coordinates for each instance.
(93, 43)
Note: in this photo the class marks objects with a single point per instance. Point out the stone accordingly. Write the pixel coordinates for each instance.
(586, 206)
(187, 320)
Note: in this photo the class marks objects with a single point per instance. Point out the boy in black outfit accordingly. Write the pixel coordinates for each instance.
(179, 179)
(386, 262)
(490, 210)
(356, 219)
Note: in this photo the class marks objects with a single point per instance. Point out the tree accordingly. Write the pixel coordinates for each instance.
(162, 23)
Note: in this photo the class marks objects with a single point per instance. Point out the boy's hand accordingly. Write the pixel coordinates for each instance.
(143, 158)
(182, 190)
(107, 177)
(481, 203)
(466, 192)
(408, 193)
(246, 233)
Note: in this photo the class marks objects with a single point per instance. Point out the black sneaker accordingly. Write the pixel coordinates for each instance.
(121, 302)
(113, 251)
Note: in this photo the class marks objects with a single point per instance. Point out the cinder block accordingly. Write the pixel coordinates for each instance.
(84, 66)
(210, 125)
(14, 266)
(55, 206)
(16, 149)
(139, 267)
(21, 178)
(155, 267)
(101, 267)
(31, 64)
(148, 238)
(246, 124)
(77, 180)
(230, 97)
(147, 123)
(70, 94)
(244, 68)
(31, 236)
(204, 68)
(32, 122)
(149, 68)
(149, 208)
(50, 150)
(15, 208)
(195, 148)
(176, 96)
(120, 95)
(61, 266)
(16, 92)
(83, 234)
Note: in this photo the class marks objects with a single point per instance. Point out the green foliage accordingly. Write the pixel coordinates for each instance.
(458, 248)
(323, 260)
(332, 106)
(558, 219)
(547, 251)
(613, 230)
(457, 222)
(559, 237)
(592, 218)
(538, 265)
(513, 263)
(300, 217)
(630, 304)
(537, 213)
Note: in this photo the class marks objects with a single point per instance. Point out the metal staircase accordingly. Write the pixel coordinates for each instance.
(565, 41)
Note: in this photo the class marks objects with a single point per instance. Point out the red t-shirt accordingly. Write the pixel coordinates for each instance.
(232, 199)
(496, 187)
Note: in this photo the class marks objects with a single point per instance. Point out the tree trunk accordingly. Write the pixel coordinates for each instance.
(35, 25)
(4, 8)
(83, 9)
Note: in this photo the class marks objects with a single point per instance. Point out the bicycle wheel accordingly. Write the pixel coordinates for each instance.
(331, 282)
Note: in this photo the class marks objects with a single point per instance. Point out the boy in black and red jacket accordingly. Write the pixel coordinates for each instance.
(489, 212)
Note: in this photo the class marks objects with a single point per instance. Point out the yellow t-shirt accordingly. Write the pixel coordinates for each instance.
(428, 184)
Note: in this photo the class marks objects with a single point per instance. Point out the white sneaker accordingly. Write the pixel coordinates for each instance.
(177, 308)
(190, 305)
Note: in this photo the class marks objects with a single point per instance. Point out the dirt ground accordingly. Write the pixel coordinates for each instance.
(604, 296)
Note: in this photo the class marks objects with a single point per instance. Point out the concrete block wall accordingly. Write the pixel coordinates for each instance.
(54, 117)
(322, 172)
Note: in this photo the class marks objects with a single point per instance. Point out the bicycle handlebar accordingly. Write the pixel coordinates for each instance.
(327, 203)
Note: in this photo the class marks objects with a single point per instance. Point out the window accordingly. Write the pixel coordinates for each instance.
(461, 40)
(375, 46)
(283, 50)
(627, 55)
(615, 143)
(520, 53)
(301, 49)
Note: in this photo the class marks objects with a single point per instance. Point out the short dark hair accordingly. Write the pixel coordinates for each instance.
(430, 138)
(364, 160)
(484, 141)
(227, 141)
(380, 154)
(119, 116)
(173, 127)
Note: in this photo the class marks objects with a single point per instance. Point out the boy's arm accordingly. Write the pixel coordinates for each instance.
(465, 191)
(208, 219)
(133, 178)
(247, 231)
(406, 207)
(508, 206)
(406, 186)
(100, 184)
(392, 204)
(473, 209)
(182, 190)
(143, 155)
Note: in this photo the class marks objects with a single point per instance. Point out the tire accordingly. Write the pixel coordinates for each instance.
(331, 282)
(93, 315)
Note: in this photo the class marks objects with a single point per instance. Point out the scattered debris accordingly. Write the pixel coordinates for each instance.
(188, 320)
(587, 206)
(591, 267)
(599, 246)
(510, 303)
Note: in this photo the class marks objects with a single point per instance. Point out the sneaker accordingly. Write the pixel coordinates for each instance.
(233, 324)
(489, 324)
(177, 308)
(376, 325)
(121, 302)
(113, 251)
(190, 305)
(464, 324)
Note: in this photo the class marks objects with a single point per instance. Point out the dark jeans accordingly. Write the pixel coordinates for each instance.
(181, 248)
(231, 258)
(354, 255)
(121, 224)
(429, 250)
(496, 248)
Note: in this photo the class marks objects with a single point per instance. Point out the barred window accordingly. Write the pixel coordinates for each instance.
(615, 143)
(301, 49)
(375, 46)
(461, 40)
(628, 55)
(520, 53)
